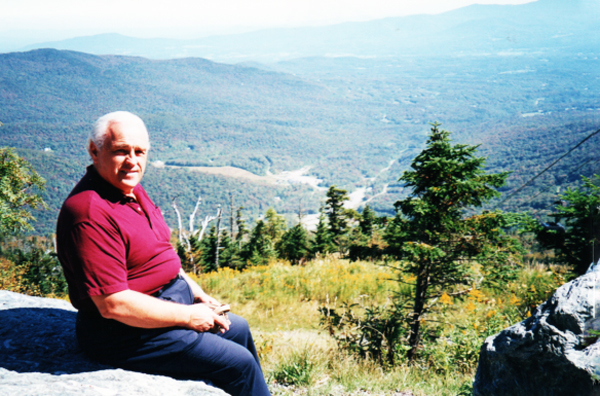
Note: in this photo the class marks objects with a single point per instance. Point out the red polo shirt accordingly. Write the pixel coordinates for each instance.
(107, 242)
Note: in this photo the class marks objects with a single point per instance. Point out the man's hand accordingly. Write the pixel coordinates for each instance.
(202, 318)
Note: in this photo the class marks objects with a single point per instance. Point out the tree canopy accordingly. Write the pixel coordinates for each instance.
(20, 185)
(581, 214)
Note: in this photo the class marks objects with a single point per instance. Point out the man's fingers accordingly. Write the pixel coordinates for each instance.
(222, 321)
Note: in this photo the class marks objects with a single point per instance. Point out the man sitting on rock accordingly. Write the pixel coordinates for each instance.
(137, 309)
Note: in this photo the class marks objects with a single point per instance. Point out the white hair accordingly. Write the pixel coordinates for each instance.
(103, 124)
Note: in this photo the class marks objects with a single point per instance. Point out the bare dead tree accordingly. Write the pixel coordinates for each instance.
(231, 216)
(184, 236)
(219, 213)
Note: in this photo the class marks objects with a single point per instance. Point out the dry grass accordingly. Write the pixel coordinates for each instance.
(281, 303)
(285, 297)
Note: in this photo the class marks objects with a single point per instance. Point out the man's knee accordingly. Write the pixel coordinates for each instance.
(238, 321)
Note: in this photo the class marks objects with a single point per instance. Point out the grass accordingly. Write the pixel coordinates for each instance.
(285, 297)
(281, 303)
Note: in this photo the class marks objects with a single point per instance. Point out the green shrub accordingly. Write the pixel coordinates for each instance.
(374, 335)
(37, 270)
(299, 368)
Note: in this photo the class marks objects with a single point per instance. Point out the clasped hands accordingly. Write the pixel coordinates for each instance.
(208, 314)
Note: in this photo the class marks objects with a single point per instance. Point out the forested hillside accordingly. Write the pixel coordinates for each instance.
(198, 113)
(351, 121)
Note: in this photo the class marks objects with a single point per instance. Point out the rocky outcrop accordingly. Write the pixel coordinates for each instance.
(39, 356)
(552, 353)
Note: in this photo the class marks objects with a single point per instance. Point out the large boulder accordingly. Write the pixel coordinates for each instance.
(553, 352)
(39, 356)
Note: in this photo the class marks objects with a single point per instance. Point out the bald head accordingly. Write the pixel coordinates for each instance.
(103, 126)
(119, 148)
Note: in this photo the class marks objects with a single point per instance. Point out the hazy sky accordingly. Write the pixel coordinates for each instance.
(184, 17)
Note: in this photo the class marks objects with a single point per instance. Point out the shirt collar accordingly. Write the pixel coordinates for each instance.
(106, 190)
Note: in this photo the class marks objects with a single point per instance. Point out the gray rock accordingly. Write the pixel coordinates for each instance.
(39, 356)
(554, 352)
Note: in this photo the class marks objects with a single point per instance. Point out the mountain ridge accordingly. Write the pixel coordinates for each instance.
(345, 117)
(393, 36)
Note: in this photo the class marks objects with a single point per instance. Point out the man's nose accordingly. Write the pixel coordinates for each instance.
(130, 159)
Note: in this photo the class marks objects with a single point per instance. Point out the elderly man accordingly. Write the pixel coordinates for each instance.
(137, 309)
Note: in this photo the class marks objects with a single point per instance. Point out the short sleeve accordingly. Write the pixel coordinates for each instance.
(101, 254)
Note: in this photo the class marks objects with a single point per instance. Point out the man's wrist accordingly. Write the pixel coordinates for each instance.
(187, 323)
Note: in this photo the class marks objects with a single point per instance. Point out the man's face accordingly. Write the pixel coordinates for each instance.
(122, 159)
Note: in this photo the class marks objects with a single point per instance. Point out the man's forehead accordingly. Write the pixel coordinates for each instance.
(127, 133)
(136, 145)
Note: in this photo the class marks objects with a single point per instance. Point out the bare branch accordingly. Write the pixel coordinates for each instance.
(174, 205)
(204, 225)
(194, 214)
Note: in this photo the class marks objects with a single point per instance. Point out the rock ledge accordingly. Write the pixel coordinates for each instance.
(39, 356)
(555, 352)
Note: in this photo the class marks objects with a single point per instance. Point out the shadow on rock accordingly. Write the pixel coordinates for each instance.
(42, 340)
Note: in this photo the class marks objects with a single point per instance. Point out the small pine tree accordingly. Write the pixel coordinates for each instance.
(431, 235)
(368, 220)
(295, 244)
(276, 225)
(230, 254)
(322, 242)
(336, 214)
(209, 249)
(259, 249)
(241, 226)
(581, 215)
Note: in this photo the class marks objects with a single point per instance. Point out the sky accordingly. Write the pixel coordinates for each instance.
(197, 18)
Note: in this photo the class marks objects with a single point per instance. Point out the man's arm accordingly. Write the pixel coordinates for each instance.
(140, 310)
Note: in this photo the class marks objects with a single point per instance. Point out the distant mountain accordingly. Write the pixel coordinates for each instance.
(199, 113)
(549, 26)
(522, 81)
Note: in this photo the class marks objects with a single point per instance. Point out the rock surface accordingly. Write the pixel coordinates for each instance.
(39, 356)
(554, 352)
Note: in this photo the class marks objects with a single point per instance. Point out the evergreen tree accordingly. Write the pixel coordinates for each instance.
(259, 249)
(581, 214)
(322, 243)
(230, 254)
(430, 234)
(209, 250)
(190, 255)
(367, 221)
(241, 226)
(295, 244)
(276, 225)
(336, 214)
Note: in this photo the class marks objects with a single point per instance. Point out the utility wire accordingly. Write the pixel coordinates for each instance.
(573, 171)
(512, 194)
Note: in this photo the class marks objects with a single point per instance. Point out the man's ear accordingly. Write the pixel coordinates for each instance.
(93, 150)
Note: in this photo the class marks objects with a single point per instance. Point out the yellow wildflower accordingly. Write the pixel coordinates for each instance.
(476, 295)
(446, 299)
(532, 289)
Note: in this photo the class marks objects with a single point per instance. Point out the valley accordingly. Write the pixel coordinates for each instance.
(278, 132)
